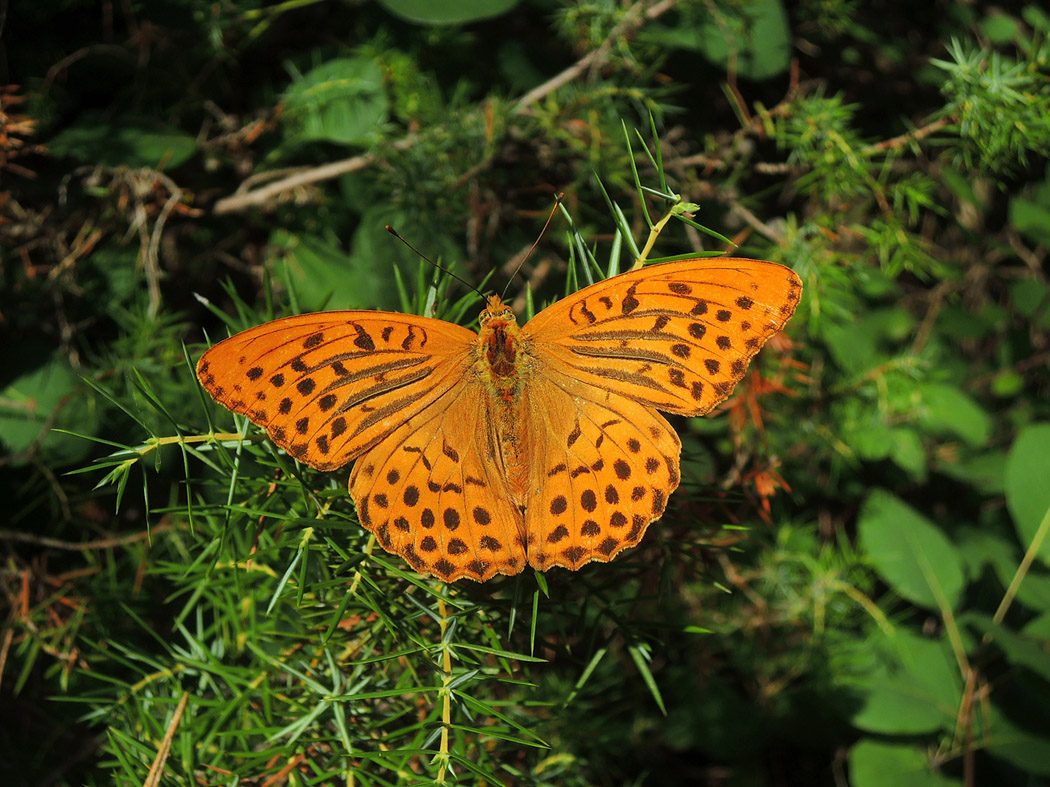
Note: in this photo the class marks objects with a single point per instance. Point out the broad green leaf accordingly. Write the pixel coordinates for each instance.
(325, 276)
(1017, 648)
(877, 764)
(979, 548)
(944, 409)
(983, 472)
(1028, 483)
(957, 323)
(878, 440)
(909, 552)
(461, 12)
(894, 325)
(342, 101)
(908, 453)
(96, 140)
(1000, 28)
(914, 689)
(756, 36)
(1007, 384)
(1031, 297)
(1031, 219)
(1036, 17)
(857, 346)
(1027, 750)
(51, 395)
(852, 347)
(872, 441)
(1038, 628)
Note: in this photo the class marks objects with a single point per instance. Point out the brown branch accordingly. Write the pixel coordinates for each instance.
(915, 135)
(77, 546)
(304, 177)
(156, 770)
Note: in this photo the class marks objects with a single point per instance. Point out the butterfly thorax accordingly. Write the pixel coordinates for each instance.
(498, 344)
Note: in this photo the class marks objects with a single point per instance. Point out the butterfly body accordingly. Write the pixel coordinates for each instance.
(481, 453)
(498, 341)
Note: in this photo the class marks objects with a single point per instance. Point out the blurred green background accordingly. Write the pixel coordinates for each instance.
(851, 586)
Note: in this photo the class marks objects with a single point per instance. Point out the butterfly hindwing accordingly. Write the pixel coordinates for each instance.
(432, 492)
(602, 469)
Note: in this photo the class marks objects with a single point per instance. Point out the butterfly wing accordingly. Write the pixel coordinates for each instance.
(677, 336)
(394, 392)
(434, 491)
(601, 469)
(327, 386)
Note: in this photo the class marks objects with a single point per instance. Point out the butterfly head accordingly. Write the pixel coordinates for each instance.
(497, 313)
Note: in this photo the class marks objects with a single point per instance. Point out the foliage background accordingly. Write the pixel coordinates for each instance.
(851, 586)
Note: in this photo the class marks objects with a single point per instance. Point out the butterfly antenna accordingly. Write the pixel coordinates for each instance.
(441, 268)
(557, 201)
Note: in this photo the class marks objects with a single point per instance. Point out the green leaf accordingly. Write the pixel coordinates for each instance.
(1018, 649)
(913, 690)
(640, 656)
(1007, 384)
(1024, 749)
(983, 472)
(1031, 219)
(877, 764)
(908, 453)
(980, 548)
(757, 37)
(957, 323)
(1038, 628)
(324, 276)
(1036, 17)
(873, 440)
(1028, 483)
(1032, 299)
(909, 552)
(50, 395)
(852, 346)
(427, 12)
(96, 140)
(341, 101)
(944, 409)
(876, 440)
(1000, 28)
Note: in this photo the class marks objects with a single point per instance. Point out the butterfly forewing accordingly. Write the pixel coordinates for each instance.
(325, 386)
(677, 336)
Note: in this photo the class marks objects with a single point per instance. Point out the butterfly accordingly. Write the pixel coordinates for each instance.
(478, 453)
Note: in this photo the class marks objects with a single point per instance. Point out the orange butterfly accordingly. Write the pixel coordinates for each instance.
(479, 453)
